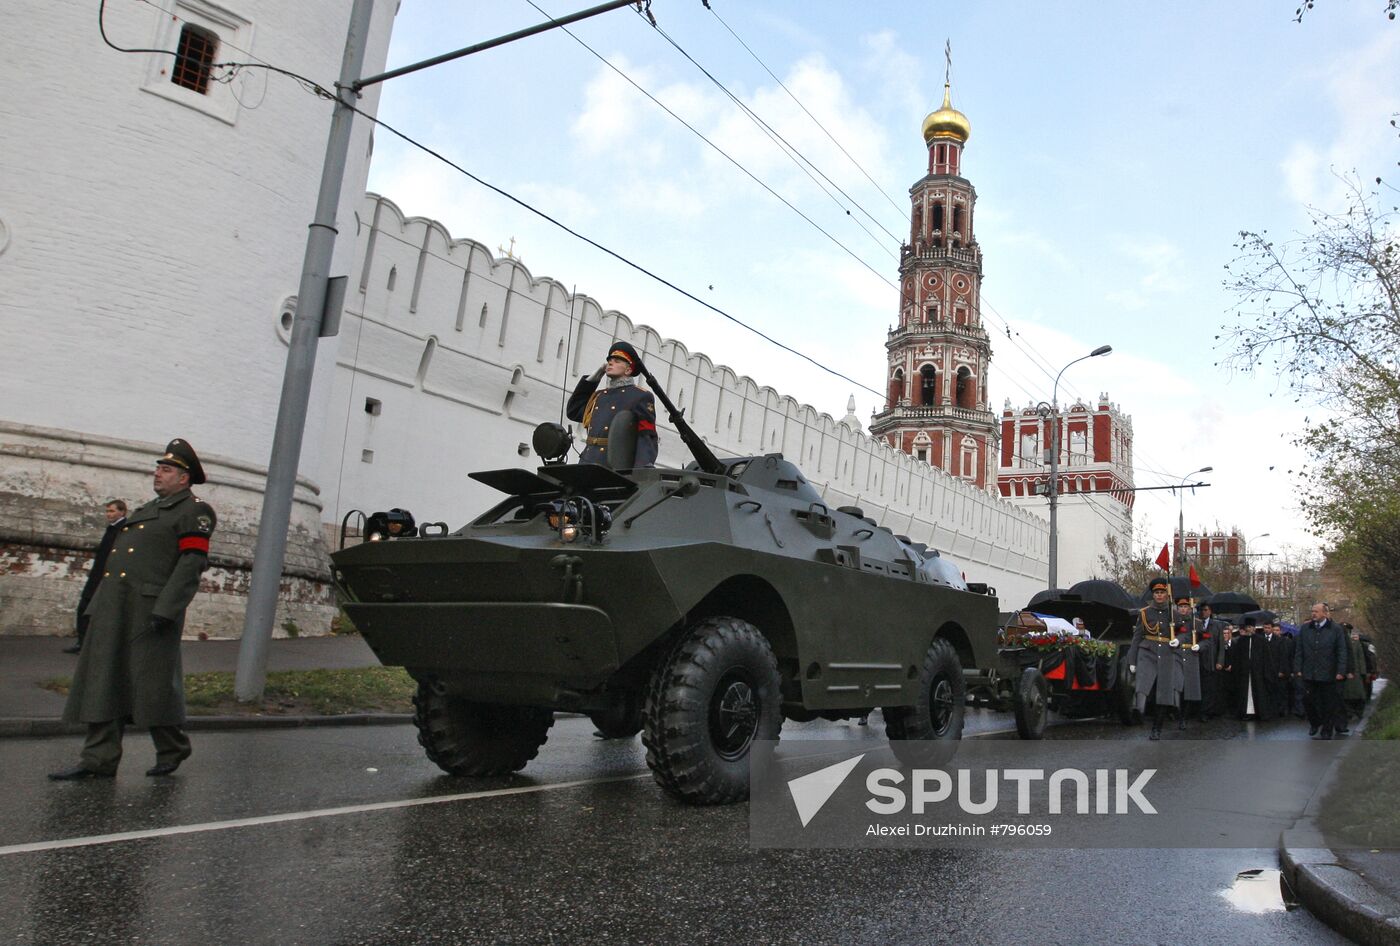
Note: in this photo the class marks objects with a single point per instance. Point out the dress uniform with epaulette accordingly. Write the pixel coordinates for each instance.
(1158, 671)
(129, 670)
(597, 409)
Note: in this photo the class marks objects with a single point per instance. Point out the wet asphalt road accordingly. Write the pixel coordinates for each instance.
(609, 860)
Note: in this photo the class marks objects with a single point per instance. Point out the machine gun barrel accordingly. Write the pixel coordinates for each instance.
(707, 461)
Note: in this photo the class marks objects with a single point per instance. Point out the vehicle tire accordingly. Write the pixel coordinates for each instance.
(467, 738)
(1125, 694)
(622, 720)
(927, 732)
(1031, 703)
(715, 693)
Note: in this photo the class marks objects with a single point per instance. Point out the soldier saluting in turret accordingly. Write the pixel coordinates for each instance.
(1153, 658)
(597, 409)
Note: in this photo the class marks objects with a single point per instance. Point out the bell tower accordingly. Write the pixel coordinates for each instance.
(936, 402)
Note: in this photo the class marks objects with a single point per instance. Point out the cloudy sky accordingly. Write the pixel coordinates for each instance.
(1117, 150)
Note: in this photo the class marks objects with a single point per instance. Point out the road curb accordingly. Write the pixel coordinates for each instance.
(1335, 894)
(20, 728)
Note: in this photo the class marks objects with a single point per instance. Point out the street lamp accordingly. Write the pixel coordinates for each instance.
(1054, 452)
(1180, 511)
(1249, 571)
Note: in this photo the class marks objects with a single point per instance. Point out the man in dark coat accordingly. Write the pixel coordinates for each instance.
(115, 510)
(1280, 668)
(597, 409)
(1248, 666)
(1209, 636)
(129, 671)
(1320, 661)
(1152, 658)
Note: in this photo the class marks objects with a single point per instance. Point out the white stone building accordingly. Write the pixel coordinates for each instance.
(152, 225)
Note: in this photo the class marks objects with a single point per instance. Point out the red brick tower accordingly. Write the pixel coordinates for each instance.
(936, 408)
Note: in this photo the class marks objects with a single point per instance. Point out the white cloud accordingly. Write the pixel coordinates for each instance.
(1363, 104)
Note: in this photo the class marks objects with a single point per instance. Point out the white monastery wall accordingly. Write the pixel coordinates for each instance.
(1086, 520)
(465, 353)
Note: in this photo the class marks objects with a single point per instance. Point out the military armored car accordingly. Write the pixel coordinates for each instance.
(700, 606)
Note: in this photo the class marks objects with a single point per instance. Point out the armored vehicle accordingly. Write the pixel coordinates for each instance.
(699, 606)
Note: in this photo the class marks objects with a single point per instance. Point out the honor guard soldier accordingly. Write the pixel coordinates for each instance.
(1190, 653)
(598, 409)
(1152, 657)
(129, 668)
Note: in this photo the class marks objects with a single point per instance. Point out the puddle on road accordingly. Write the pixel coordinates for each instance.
(1261, 890)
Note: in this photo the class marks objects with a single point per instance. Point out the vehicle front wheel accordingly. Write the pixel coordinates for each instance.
(467, 738)
(1031, 701)
(715, 694)
(927, 732)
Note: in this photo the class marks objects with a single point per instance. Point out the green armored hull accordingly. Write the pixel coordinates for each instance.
(701, 608)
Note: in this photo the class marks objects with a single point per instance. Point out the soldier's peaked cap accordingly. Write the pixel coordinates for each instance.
(625, 350)
(180, 454)
(1158, 583)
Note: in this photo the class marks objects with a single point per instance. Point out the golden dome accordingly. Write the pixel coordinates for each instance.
(947, 122)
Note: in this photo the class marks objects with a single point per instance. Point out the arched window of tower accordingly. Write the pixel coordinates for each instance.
(928, 386)
(966, 395)
(393, 278)
(937, 224)
(896, 388)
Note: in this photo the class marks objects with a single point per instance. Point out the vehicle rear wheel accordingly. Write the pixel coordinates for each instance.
(1031, 700)
(709, 699)
(926, 733)
(467, 738)
(622, 720)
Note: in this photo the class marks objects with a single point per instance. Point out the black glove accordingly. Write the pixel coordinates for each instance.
(160, 625)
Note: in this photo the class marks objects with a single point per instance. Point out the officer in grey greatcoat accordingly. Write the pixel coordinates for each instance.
(1152, 657)
(597, 409)
(129, 669)
(1191, 652)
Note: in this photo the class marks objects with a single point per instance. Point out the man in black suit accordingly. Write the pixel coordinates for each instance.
(1320, 661)
(115, 512)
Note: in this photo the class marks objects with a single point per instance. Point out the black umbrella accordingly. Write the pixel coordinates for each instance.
(1104, 621)
(1231, 602)
(1103, 591)
(1181, 588)
(1258, 617)
(1049, 594)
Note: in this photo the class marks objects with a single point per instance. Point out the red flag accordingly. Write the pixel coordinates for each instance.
(1164, 560)
(1195, 579)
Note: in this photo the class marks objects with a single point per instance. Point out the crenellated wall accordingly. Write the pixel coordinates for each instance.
(463, 354)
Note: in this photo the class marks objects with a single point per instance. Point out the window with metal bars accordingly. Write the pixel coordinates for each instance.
(194, 55)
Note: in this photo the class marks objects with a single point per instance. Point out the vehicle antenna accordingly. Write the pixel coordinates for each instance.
(568, 349)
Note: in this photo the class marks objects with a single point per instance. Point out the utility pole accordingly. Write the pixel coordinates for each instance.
(271, 549)
(309, 323)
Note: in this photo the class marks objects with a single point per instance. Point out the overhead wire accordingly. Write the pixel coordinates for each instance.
(728, 157)
(815, 120)
(788, 147)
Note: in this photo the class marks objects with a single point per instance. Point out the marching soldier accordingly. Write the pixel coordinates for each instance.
(1152, 657)
(129, 668)
(597, 409)
(1189, 653)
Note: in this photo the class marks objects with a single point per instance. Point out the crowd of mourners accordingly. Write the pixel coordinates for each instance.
(1188, 663)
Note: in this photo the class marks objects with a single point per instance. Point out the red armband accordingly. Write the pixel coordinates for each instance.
(195, 543)
(645, 425)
